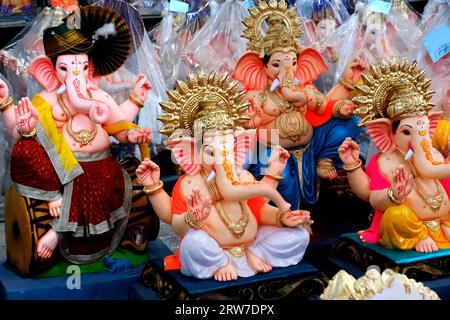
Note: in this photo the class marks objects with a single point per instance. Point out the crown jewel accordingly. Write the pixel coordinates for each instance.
(394, 90)
(204, 102)
(283, 31)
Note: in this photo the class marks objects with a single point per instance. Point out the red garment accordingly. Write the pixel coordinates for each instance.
(96, 193)
(318, 120)
(179, 206)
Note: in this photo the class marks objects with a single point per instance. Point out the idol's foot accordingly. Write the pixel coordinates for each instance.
(256, 263)
(426, 245)
(326, 169)
(368, 236)
(47, 245)
(226, 273)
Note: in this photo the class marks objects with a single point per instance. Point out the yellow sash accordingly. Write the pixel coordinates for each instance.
(66, 155)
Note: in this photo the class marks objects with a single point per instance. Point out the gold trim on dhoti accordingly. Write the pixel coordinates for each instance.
(433, 225)
(298, 154)
(238, 251)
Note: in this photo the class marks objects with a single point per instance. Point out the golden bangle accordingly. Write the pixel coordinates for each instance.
(391, 196)
(192, 224)
(132, 130)
(277, 177)
(30, 134)
(353, 167)
(346, 84)
(137, 101)
(153, 189)
(6, 104)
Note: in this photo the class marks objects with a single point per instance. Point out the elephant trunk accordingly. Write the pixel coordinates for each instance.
(231, 189)
(425, 161)
(77, 94)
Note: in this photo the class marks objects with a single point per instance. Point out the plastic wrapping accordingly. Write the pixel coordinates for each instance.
(432, 8)
(143, 60)
(321, 18)
(373, 36)
(218, 45)
(150, 7)
(171, 50)
(16, 56)
(438, 72)
(14, 10)
(6, 143)
(406, 10)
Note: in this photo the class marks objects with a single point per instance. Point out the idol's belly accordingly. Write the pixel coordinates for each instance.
(294, 137)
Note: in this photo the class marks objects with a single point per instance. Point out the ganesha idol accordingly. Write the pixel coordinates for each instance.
(220, 211)
(408, 182)
(277, 74)
(61, 154)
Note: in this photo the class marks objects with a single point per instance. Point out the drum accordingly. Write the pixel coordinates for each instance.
(143, 223)
(26, 221)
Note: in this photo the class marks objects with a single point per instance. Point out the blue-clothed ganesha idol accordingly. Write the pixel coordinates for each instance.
(287, 109)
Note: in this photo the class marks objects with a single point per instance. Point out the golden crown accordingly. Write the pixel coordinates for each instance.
(204, 102)
(283, 33)
(394, 90)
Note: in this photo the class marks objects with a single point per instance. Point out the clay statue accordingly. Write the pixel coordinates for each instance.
(408, 182)
(218, 208)
(62, 155)
(277, 74)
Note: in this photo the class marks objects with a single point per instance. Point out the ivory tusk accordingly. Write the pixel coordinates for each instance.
(275, 84)
(211, 176)
(409, 154)
(61, 89)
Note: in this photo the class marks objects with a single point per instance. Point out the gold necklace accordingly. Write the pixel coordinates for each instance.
(291, 123)
(83, 137)
(237, 228)
(434, 202)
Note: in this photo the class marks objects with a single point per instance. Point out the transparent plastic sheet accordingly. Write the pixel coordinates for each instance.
(439, 71)
(150, 7)
(143, 60)
(6, 143)
(432, 8)
(218, 45)
(13, 10)
(320, 18)
(403, 8)
(17, 54)
(373, 37)
(171, 50)
(165, 30)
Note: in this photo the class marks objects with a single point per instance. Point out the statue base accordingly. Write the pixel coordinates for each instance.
(302, 281)
(354, 256)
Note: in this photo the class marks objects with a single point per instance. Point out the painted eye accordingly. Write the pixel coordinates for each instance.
(295, 63)
(85, 67)
(275, 65)
(406, 132)
(63, 68)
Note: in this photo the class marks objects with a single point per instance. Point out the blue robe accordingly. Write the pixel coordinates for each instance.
(324, 144)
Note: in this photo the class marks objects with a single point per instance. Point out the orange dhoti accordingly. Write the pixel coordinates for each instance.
(400, 228)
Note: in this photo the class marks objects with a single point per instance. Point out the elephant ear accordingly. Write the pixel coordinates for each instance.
(250, 72)
(93, 80)
(42, 69)
(380, 130)
(185, 152)
(245, 140)
(310, 65)
(434, 118)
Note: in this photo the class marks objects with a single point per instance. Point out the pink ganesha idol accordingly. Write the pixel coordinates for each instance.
(408, 182)
(62, 153)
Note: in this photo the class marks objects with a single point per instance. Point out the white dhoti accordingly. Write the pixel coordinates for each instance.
(201, 256)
